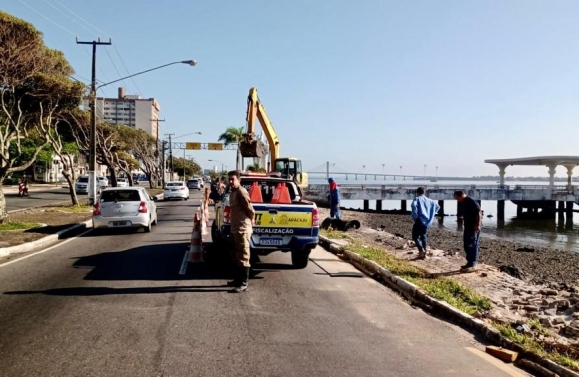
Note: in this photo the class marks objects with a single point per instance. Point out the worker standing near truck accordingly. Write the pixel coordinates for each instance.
(334, 199)
(242, 219)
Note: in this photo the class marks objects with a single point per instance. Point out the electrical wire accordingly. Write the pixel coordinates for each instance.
(42, 15)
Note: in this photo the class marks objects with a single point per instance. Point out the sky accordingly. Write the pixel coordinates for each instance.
(371, 82)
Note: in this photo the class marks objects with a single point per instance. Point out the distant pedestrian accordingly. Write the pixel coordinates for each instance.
(423, 212)
(242, 215)
(472, 223)
(334, 199)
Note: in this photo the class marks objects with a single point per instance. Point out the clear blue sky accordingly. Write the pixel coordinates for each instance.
(442, 83)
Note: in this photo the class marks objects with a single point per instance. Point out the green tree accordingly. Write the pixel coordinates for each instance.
(34, 87)
(230, 136)
(191, 167)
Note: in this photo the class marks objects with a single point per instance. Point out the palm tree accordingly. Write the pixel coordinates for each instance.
(230, 136)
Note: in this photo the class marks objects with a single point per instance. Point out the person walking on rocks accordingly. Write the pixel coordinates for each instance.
(334, 199)
(423, 212)
(242, 220)
(471, 234)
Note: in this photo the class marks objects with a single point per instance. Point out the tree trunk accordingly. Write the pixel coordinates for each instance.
(150, 178)
(71, 188)
(113, 175)
(3, 213)
(130, 178)
(237, 167)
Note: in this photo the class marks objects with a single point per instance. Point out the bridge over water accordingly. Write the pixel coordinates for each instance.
(537, 199)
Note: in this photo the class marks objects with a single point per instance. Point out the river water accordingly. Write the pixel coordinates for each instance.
(557, 233)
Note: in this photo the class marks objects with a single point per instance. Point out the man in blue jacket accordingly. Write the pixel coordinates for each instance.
(334, 199)
(423, 212)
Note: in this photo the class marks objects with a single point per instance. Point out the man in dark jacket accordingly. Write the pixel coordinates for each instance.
(472, 224)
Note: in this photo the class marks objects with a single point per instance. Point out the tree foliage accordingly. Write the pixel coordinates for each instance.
(34, 87)
(230, 136)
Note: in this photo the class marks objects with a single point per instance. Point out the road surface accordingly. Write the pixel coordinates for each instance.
(114, 305)
(37, 198)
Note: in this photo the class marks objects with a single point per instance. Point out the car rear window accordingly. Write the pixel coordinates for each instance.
(120, 196)
(268, 188)
(83, 179)
(175, 184)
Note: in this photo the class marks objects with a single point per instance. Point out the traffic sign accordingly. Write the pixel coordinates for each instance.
(196, 146)
(215, 146)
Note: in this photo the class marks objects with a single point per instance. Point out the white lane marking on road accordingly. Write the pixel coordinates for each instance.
(45, 250)
(507, 368)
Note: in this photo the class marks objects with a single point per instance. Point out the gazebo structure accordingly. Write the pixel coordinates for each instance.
(551, 162)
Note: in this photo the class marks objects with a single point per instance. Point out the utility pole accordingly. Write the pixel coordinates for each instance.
(93, 95)
(157, 145)
(163, 148)
(170, 154)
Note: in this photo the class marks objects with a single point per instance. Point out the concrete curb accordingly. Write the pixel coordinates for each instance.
(421, 298)
(43, 242)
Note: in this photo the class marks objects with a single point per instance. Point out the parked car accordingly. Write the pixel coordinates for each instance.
(81, 185)
(122, 182)
(103, 182)
(176, 190)
(194, 184)
(126, 207)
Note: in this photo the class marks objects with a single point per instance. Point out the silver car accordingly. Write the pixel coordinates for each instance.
(81, 185)
(130, 207)
(176, 190)
(194, 184)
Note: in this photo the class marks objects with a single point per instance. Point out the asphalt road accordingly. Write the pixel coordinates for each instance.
(114, 305)
(36, 198)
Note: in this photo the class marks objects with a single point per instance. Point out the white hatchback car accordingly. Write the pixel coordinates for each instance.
(130, 207)
(122, 182)
(176, 190)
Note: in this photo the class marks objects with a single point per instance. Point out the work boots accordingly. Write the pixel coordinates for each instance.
(244, 275)
(237, 277)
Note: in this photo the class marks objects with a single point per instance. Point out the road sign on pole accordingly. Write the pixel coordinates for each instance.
(195, 146)
(215, 146)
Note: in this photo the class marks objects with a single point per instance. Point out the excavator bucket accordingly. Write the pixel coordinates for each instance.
(253, 148)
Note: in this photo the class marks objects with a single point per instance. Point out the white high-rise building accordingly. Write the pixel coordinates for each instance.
(130, 110)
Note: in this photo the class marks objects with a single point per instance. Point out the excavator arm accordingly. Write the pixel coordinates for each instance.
(249, 146)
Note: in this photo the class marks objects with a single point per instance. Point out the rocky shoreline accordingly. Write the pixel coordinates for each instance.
(531, 263)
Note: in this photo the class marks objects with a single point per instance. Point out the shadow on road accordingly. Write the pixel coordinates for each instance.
(103, 291)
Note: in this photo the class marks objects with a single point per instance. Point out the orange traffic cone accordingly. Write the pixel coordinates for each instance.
(276, 194)
(203, 222)
(284, 196)
(196, 249)
(255, 193)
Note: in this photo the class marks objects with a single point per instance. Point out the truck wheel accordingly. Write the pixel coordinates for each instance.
(300, 259)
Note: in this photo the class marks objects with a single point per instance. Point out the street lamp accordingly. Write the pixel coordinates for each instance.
(93, 95)
(171, 151)
(219, 162)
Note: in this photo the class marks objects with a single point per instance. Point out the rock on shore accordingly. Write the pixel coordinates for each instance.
(534, 264)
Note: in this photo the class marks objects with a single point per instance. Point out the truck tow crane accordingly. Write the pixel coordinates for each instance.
(251, 147)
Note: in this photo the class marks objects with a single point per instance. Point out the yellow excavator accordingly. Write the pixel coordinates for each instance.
(252, 147)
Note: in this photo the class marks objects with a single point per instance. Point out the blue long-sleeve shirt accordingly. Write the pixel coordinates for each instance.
(335, 197)
(425, 209)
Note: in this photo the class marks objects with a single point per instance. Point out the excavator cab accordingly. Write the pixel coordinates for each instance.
(292, 167)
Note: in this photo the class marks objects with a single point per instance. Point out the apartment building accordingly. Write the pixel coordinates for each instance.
(130, 110)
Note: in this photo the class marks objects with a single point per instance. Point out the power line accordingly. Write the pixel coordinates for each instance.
(115, 66)
(42, 15)
(73, 20)
(126, 69)
(82, 19)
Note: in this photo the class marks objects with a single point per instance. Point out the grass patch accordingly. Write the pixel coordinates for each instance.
(335, 234)
(529, 343)
(17, 226)
(71, 209)
(457, 295)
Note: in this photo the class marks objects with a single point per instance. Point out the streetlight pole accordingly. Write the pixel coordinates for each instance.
(94, 89)
(222, 169)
